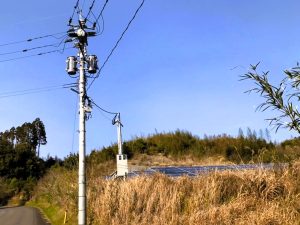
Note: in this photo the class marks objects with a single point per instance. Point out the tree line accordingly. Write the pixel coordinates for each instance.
(19, 150)
(21, 166)
(247, 147)
(20, 163)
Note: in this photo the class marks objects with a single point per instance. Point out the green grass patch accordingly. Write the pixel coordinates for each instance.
(54, 214)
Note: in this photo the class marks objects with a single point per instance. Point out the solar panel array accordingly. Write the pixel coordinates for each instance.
(176, 171)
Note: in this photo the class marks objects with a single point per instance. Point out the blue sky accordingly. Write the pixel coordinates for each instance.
(173, 69)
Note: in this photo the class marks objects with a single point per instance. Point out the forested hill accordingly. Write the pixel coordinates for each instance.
(183, 144)
(20, 164)
(144, 199)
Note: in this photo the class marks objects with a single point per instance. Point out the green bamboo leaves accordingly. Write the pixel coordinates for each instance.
(282, 98)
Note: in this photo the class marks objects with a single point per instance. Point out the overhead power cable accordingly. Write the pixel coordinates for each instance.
(90, 10)
(34, 38)
(102, 111)
(74, 10)
(113, 113)
(100, 14)
(35, 90)
(117, 43)
(97, 26)
(39, 54)
(31, 49)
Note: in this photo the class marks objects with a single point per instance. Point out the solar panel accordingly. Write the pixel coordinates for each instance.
(176, 171)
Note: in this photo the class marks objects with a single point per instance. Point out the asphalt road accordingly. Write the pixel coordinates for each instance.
(21, 216)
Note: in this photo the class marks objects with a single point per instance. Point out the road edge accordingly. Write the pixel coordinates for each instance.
(42, 213)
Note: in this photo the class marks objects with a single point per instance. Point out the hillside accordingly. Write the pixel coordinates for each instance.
(182, 146)
(216, 198)
(244, 197)
(237, 197)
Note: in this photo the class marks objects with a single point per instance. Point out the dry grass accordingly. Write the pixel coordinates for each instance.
(143, 161)
(248, 197)
(230, 197)
(57, 193)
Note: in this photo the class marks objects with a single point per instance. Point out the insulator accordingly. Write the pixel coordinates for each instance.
(92, 64)
(71, 65)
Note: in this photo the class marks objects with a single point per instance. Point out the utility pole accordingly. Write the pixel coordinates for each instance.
(82, 136)
(80, 34)
(122, 161)
(119, 125)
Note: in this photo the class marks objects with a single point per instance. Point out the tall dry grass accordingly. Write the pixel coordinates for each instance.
(262, 197)
(244, 197)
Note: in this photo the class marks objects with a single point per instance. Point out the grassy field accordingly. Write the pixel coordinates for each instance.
(244, 197)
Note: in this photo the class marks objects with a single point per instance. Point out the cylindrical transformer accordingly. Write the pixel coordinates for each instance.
(71, 65)
(92, 64)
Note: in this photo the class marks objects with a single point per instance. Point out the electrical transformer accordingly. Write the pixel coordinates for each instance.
(71, 65)
(92, 64)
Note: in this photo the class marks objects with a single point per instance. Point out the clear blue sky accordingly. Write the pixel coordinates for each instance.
(172, 70)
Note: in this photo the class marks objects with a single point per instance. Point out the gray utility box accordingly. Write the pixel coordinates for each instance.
(122, 165)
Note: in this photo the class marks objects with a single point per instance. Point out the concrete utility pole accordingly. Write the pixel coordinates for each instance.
(80, 35)
(119, 125)
(122, 161)
(82, 145)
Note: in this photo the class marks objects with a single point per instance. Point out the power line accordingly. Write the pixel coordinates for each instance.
(41, 88)
(105, 116)
(34, 38)
(27, 93)
(74, 10)
(102, 111)
(98, 27)
(39, 54)
(90, 10)
(31, 49)
(113, 113)
(34, 90)
(101, 12)
(117, 43)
